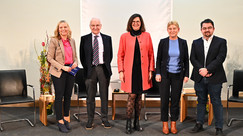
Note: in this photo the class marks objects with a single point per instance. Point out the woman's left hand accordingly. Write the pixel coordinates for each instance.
(150, 75)
(186, 79)
(74, 65)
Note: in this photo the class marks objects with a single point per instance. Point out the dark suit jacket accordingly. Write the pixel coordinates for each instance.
(163, 58)
(214, 60)
(86, 53)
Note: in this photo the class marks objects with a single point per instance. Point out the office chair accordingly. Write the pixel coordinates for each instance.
(235, 97)
(80, 91)
(151, 93)
(13, 90)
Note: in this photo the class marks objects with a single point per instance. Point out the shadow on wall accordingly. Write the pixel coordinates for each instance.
(234, 61)
(22, 58)
(4, 59)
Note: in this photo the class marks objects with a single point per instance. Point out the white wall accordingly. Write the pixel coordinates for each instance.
(25, 22)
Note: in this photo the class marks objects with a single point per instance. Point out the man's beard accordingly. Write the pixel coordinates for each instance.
(207, 34)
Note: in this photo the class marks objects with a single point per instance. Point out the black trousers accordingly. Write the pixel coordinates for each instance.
(98, 75)
(63, 89)
(170, 88)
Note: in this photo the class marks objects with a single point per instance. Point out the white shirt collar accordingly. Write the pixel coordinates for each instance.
(95, 35)
(209, 39)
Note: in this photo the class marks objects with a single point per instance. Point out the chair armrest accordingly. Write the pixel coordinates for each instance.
(33, 90)
(75, 84)
(76, 87)
(30, 85)
(228, 91)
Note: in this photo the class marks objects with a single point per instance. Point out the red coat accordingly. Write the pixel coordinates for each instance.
(125, 59)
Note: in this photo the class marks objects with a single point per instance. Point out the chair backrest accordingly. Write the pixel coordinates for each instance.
(154, 91)
(13, 83)
(80, 80)
(237, 82)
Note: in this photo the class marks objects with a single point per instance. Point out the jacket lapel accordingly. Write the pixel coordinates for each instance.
(211, 47)
(167, 42)
(73, 49)
(89, 47)
(201, 49)
(104, 42)
(62, 48)
(90, 41)
(180, 47)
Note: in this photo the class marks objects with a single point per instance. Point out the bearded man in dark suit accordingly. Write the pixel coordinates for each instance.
(207, 56)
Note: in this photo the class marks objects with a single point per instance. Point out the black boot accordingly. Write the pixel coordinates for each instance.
(128, 127)
(137, 125)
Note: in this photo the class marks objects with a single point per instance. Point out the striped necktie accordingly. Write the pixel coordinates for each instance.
(96, 51)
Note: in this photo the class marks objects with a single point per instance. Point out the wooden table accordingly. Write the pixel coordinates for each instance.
(114, 102)
(43, 102)
(183, 105)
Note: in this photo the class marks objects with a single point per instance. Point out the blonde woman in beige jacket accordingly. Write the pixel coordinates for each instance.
(61, 54)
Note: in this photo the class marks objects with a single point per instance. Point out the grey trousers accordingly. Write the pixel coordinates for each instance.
(98, 75)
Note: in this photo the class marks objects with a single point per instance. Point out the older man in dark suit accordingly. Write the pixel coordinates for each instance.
(96, 55)
(207, 56)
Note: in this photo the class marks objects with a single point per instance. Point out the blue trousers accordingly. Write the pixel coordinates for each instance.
(203, 88)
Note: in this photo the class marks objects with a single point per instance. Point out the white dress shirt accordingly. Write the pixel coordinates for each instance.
(206, 44)
(101, 47)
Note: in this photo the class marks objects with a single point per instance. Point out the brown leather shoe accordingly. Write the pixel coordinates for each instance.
(165, 129)
(173, 127)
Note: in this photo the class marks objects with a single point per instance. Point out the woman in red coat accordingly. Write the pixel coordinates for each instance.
(135, 66)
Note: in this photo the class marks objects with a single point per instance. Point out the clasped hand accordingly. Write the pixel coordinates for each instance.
(204, 72)
(68, 69)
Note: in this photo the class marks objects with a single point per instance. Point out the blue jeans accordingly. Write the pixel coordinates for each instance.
(203, 88)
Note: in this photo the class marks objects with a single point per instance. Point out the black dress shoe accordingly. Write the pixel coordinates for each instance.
(198, 127)
(62, 128)
(106, 124)
(89, 125)
(66, 123)
(219, 131)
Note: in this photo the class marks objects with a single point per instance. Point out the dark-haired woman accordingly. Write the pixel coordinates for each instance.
(135, 67)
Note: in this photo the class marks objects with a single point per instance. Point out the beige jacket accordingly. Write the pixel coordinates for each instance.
(56, 56)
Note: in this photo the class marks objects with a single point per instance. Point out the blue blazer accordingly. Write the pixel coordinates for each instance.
(214, 60)
(86, 53)
(163, 58)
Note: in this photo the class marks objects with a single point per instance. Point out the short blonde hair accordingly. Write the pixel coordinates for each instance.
(173, 23)
(57, 34)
